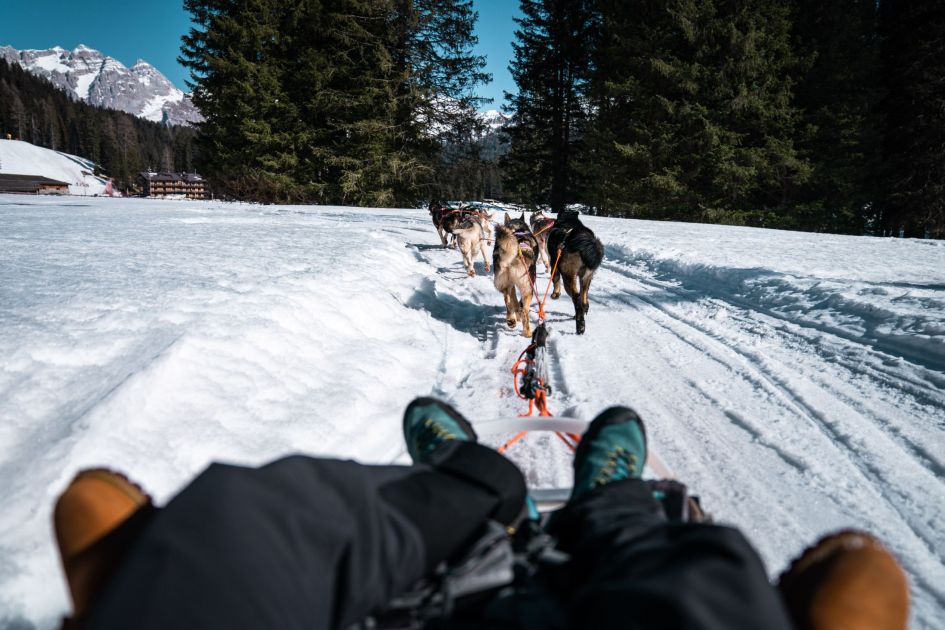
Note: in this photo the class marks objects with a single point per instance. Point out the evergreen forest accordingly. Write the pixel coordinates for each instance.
(34, 110)
(824, 115)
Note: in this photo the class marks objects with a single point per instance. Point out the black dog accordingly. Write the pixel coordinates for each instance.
(578, 253)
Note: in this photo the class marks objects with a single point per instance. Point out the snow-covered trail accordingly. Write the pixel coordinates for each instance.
(795, 381)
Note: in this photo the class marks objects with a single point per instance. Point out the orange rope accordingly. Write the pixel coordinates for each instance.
(571, 446)
(515, 439)
(551, 279)
(545, 229)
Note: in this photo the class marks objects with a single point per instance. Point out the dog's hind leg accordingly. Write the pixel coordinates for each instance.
(485, 258)
(511, 307)
(468, 261)
(526, 304)
(543, 252)
(570, 285)
(586, 278)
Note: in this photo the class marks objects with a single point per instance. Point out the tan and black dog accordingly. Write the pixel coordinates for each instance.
(581, 255)
(541, 225)
(513, 259)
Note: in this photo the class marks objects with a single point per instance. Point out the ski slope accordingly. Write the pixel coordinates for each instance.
(795, 381)
(22, 158)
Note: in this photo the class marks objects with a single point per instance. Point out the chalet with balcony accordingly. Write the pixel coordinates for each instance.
(173, 185)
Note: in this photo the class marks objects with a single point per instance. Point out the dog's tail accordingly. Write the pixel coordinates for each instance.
(589, 247)
(467, 230)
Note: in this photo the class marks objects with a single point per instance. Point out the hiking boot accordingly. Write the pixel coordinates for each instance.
(847, 580)
(612, 448)
(95, 505)
(428, 423)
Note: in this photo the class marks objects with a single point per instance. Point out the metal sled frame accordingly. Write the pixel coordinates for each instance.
(549, 499)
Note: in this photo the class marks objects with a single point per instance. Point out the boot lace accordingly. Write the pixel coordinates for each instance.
(431, 434)
(621, 464)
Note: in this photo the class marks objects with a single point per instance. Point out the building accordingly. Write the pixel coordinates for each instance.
(32, 185)
(182, 185)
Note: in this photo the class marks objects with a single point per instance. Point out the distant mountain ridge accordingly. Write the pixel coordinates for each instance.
(88, 75)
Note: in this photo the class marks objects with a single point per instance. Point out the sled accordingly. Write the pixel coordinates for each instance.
(499, 430)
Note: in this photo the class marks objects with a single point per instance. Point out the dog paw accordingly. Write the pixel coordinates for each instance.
(587, 307)
(510, 323)
(488, 268)
(556, 295)
(471, 273)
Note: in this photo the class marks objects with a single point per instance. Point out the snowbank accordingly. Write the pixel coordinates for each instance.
(23, 158)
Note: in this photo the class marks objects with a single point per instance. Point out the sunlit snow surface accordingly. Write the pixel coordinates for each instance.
(796, 381)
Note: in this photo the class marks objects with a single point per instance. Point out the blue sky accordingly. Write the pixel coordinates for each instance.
(151, 31)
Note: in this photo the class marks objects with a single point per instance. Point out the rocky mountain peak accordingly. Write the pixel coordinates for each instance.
(89, 75)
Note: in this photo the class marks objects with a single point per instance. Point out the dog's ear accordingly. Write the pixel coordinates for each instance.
(508, 220)
(523, 216)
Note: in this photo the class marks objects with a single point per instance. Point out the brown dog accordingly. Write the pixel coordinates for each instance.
(471, 235)
(580, 255)
(513, 258)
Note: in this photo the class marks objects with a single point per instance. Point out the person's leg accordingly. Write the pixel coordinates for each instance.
(631, 568)
(306, 543)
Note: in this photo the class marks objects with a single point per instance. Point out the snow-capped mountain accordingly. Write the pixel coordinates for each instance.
(493, 119)
(100, 80)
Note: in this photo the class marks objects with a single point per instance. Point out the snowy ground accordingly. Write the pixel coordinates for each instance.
(796, 381)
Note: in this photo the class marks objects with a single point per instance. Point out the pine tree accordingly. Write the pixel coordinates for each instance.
(333, 101)
(695, 119)
(837, 95)
(234, 57)
(913, 62)
(552, 63)
(443, 72)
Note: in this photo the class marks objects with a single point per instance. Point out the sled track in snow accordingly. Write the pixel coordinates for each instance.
(922, 392)
(900, 502)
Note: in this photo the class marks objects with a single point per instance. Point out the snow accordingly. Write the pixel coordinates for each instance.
(51, 62)
(795, 381)
(23, 158)
(154, 108)
(84, 83)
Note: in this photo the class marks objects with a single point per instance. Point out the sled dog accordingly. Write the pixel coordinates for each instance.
(471, 235)
(541, 225)
(438, 213)
(580, 255)
(513, 259)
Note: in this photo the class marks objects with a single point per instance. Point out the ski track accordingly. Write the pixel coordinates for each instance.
(787, 426)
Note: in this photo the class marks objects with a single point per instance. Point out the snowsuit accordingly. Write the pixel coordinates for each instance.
(318, 544)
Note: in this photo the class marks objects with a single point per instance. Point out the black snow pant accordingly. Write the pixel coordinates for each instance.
(304, 543)
(318, 544)
(630, 568)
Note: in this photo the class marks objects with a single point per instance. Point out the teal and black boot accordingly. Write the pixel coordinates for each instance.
(428, 423)
(613, 448)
